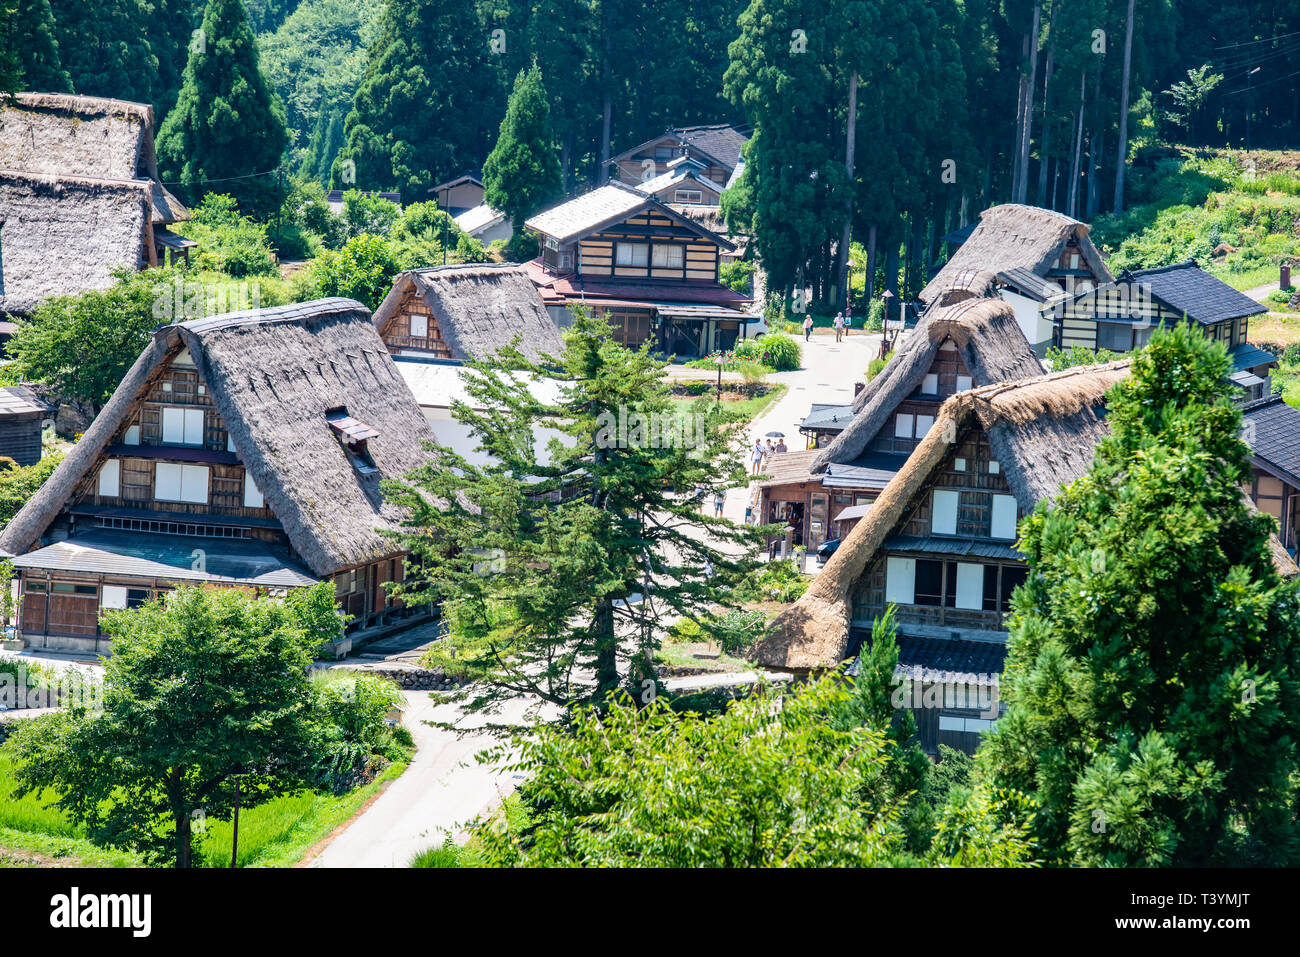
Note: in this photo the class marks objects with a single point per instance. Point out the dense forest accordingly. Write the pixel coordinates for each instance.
(958, 104)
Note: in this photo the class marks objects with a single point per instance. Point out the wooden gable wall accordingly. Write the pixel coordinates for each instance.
(899, 437)
(140, 446)
(397, 332)
(1078, 321)
(598, 255)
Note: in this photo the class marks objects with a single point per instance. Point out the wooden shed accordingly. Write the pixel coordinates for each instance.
(21, 416)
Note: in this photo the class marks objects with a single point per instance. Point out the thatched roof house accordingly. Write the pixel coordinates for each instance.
(79, 196)
(938, 543)
(268, 432)
(466, 311)
(989, 348)
(1013, 236)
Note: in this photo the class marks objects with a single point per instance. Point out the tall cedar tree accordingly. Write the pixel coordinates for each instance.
(542, 556)
(522, 173)
(204, 690)
(227, 124)
(422, 110)
(1154, 652)
(11, 67)
(27, 39)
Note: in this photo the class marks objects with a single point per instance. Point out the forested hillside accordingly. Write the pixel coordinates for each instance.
(959, 105)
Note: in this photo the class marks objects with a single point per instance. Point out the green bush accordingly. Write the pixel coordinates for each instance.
(686, 631)
(363, 270)
(227, 241)
(737, 630)
(776, 581)
(781, 352)
(738, 276)
(1078, 356)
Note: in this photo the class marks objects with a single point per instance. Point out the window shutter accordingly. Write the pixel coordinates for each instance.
(963, 383)
(173, 425)
(944, 519)
(902, 426)
(419, 326)
(109, 476)
(132, 436)
(931, 384)
(923, 425)
(252, 494)
(900, 581)
(194, 484)
(194, 426)
(112, 596)
(167, 482)
(970, 585)
(1004, 516)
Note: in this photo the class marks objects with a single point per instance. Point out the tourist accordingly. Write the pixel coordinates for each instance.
(807, 328)
(781, 446)
(757, 456)
(719, 496)
(839, 327)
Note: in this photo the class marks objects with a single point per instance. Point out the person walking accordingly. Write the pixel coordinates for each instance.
(757, 455)
(807, 328)
(719, 497)
(848, 318)
(839, 327)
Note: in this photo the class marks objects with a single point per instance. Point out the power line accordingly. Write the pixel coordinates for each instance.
(1256, 86)
(1246, 43)
(226, 179)
(1284, 52)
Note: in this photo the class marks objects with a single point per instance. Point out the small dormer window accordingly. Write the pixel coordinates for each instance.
(354, 436)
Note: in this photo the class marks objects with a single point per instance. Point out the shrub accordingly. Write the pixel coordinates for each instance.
(1078, 356)
(737, 630)
(363, 270)
(368, 214)
(228, 242)
(776, 581)
(781, 352)
(738, 276)
(686, 631)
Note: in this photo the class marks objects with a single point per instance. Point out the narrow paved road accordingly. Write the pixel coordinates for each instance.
(443, 789)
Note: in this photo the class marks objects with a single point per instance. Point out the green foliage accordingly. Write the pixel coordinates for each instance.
(736, 630)
(228, 241)
(796, 780)
(227, 123)
(363, 270)
(1152, 666)
(50, 345)
(781, 352)
(780, 581)
(219, 679)
(368, 213)
(568, 538)
(29, 55)
(18, 483)
(430, 86)
(522, 173)
(354, 706)
(737, 275)
(1078, 356)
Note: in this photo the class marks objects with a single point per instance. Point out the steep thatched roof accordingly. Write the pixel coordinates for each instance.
(55, 134)
(479, 308)
(1008, 237)
(273, 374)
(1042, 431)
(60, 236)
(991, 344)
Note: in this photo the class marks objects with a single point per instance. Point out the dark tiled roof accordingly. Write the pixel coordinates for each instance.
(950, 659)
(827, 417)
(1246, 356)
(723, 143)
(1273, 433)
(1190, 289)
(1030, 283)
(950, 546)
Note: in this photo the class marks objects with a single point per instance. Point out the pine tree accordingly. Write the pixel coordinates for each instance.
(522, 173)
(11, 69)
(1153, 670)
(227, 124)
(421, 112)
(591, 534)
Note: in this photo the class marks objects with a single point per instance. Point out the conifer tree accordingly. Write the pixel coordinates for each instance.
(28, 37)
(522, 173)
(227, 124)
(1153, 672)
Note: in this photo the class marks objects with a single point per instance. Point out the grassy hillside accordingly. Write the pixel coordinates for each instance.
(1236, 213)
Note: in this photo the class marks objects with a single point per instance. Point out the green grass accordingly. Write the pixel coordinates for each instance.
(275, 834)
(750, 409)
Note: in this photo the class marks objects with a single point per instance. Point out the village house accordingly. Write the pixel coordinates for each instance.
(468, 311)
(715, 151)
(80, 197)
(22, 417)
(1121, 315)
(1027, 256)
(649, 270)
(819, 493)
(459, 194)
(684, 183)
(244, 450)
(938, 545)
(1272, 430)
(485, 224)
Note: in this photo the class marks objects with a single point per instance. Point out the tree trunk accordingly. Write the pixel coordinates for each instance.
(869, 287)
(183, 842)
(842, 266)
(1020, 127)
(1022, 192)
(1094, 146)
(606, 96)
(1047, 99)
(1078, 153)
(602, 626)
(1121, 154)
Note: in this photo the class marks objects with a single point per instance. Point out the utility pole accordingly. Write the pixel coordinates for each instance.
(1250, 103)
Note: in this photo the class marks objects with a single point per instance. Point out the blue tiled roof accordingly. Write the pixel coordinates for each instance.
(1246, 356)
(1273, 432)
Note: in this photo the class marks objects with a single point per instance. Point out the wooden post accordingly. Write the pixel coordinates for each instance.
(234, 835)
